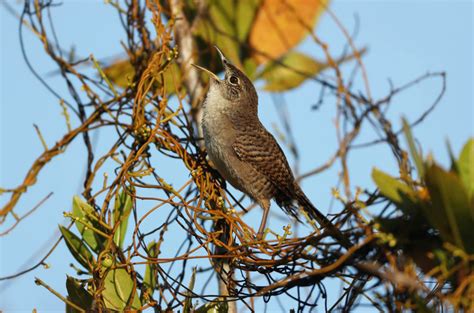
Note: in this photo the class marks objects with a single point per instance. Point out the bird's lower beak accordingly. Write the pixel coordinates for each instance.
(207, 71)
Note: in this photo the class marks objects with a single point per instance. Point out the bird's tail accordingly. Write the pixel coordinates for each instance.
(322, 220)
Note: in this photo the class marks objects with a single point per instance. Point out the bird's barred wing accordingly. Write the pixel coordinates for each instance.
(260, 149)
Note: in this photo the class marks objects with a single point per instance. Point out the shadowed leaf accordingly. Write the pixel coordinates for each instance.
(77, 247)
(77, 294)
(450, 200)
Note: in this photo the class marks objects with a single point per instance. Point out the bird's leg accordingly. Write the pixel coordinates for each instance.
(265, 204)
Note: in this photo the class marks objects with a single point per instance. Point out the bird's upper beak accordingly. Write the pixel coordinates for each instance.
(223, 59)
(224, 63)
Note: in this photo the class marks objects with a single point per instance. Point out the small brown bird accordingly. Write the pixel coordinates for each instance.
(244, 152)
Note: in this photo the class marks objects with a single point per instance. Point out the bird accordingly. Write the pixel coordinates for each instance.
(243, 151)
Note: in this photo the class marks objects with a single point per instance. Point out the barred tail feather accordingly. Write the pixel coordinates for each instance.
(322, 220)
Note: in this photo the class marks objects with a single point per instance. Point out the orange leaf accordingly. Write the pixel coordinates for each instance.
(282, 24)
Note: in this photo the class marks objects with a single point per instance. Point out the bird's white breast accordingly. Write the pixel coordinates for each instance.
(215, 123)
(219, 134)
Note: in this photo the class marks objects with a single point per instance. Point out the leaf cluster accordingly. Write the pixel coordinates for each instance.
(435, 215)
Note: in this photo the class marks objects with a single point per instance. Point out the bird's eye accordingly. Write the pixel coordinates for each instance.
(233, 80)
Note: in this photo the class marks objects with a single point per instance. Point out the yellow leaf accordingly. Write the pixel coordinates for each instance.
(282, 24)
(295, 68)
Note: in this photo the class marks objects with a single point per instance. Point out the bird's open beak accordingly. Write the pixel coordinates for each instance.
(224, 63)
(207, 71)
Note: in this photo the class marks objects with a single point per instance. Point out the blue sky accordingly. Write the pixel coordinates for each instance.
(405, 39)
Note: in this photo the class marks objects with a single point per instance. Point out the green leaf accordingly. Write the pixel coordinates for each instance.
(220, 29)
(122, 73)
(118, 290)
(246, 11)
(250, 67)
(121, 213)
(466, 166)
(216, 306)
(151, 270)
(451, 203)
(391, 225)
(290, 71)
(421, 305)
(188, 301)
(170, 79)
(77, 247)
(396, 191)
(78, 295)
(83, 211)
(452, 158)
(413, 150)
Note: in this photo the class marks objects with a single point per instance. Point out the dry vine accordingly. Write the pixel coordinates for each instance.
(151, 125)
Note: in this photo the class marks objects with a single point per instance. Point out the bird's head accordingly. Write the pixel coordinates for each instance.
(236, 87)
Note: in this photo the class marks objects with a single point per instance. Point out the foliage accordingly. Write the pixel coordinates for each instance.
(436, 216)
(240, 30)
(408, 236)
